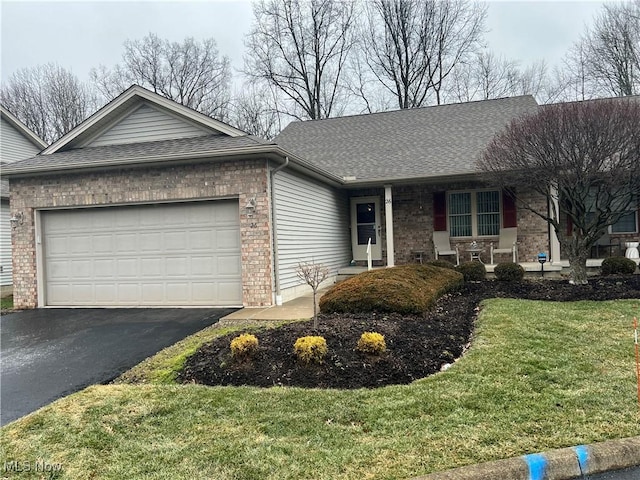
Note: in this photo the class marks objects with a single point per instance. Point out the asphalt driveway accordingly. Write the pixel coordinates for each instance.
(47, 354)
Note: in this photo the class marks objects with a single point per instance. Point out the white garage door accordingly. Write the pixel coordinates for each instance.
(180, 254)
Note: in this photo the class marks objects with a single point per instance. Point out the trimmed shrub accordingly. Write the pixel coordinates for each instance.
(617, 265)
(405, 289)
(441, 264)
(509, 272)
(472, 271)
(310, 349)
(245, 345)
(372, 343)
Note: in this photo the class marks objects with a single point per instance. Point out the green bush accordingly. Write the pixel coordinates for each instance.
(310, 349)
(404, 289)
(245, 345)
(617, 265)
(441, 264)
(509, 272)
(372, 343)
(472, 271)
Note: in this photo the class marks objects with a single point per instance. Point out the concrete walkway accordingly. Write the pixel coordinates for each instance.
(296, 309)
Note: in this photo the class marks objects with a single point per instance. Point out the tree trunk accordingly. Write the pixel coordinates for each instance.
(578, 265)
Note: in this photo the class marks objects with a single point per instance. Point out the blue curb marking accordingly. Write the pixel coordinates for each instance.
(537, 466)
(582, 452)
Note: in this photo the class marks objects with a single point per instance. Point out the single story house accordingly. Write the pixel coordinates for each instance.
(17, 142)
(149, 203)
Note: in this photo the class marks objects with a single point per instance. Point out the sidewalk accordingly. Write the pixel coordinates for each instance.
(296, 309)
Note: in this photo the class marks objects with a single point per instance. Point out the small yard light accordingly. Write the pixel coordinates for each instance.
(16, 220)
(542, 258)
(250, 208)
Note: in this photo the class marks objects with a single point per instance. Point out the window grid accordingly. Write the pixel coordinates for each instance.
(474, 213)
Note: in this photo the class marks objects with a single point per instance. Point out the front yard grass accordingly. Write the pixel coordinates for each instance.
(539, 375)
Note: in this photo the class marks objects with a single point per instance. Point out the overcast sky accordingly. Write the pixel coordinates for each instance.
(84, 34)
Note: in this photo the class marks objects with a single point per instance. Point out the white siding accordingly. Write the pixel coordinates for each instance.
(147, 124)
(312, 225)
(13, 145)
(5, 244)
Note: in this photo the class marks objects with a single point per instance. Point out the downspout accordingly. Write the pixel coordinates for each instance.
(274, 232)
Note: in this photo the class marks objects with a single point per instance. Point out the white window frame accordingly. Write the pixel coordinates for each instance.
(474, 210)
(635, 214)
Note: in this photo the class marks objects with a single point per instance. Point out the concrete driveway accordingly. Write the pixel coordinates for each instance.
(47, 354)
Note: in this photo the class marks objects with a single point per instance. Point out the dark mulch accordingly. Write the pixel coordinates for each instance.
(417, 345)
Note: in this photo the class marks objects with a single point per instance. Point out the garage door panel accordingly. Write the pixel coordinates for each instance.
(227, 239)
(152, 267)
(102, 244)
(161, 255)
(201, 266)
(104, 268)
(230, 289)
(106, 294)
(177, 267)
(150, 242)
(82, 293)
(152, 293)
(81, 269)
(228, 265)
(56, 245)
(201, 240)
(59, 270)
(129, 293)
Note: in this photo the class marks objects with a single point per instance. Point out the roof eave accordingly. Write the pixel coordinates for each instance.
(421, 179)
(273, 152)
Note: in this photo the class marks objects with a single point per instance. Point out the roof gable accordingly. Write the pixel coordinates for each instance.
(99, 127)
(147, 123)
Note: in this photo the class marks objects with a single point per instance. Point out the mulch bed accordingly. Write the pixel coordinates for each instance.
(417, 345)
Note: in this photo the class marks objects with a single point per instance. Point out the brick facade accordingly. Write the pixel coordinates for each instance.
(242, 179)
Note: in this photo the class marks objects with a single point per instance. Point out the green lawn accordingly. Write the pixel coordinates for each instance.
(538, 376)
(6, 303)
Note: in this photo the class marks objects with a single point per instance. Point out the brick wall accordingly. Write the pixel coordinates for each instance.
(241, 179)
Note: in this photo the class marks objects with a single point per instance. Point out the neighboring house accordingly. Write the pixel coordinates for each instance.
(17, 142)
(150, 203)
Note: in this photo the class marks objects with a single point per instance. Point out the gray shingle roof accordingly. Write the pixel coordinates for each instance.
(112, 155)
(423, 142)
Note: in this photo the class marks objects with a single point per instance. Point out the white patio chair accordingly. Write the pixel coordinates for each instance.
(442, 245)
(507, 243)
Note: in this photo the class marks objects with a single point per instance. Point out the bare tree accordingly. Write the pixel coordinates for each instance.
(313, 275)
(300, 48)
(255, 110)
(48, 99)
(583, 157)
(191, 73)
(488, 76)
(606, 60)
(412, 46)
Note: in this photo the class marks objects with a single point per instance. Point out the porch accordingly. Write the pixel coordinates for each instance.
(555, 270)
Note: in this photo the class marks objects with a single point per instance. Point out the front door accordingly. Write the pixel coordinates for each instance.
(365, 225)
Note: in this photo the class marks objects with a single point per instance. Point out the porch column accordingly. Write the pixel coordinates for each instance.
(388, 214)
(555, 243)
